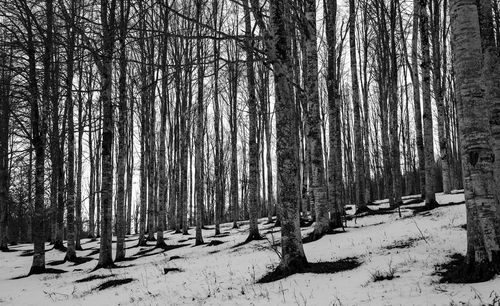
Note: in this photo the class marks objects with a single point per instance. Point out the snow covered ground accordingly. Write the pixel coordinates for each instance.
(226, 274)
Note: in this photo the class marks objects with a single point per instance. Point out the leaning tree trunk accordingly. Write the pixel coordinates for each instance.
(430, 196)
(318, 179)
(483, 245)
(293, 257)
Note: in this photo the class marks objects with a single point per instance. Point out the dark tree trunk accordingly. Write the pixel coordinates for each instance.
(253, 154)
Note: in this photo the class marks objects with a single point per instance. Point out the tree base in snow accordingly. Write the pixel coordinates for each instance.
(142, 242)
(253, 236)
(160, 244)
(459, 271)
(36, 270)
(432, 204)
(59, 245)
(110, 265)
(71, 257)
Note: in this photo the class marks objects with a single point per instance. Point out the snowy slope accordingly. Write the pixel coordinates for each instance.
(226, 275)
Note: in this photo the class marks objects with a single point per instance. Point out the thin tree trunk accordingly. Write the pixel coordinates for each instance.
(393, 115)
(200, 135)
(162, 195)
(416, 97)
(439, 95)
(4, 148)
(233, 92)
(70, 217)
(79, 161)
(430, 196)
(335, 176)
(122, 134)
(253, 154)
(144, 123)
(358, 140)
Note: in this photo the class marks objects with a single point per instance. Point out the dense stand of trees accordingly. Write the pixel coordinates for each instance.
(122, 117)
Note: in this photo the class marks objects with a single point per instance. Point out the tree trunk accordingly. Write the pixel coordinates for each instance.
(79, 161)
(439, 95)
(70, 206)
(483, 245)
(92, 169)
(430, 196)
(200, 136)
(318, 179)
(253, 154)
(144, 123)
(233, 93)
(491, 79)
(162, 195)
(38, 129)
(293, 257)
(393, 115)
(416, 97)
(218, 161)
(335, 176)
(4, 148)
(122, 134)
(106, 71)
(358, 140)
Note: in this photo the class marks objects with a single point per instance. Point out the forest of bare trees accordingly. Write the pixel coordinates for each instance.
(124, 117)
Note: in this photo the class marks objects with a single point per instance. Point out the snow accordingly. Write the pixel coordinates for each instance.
(226, 274)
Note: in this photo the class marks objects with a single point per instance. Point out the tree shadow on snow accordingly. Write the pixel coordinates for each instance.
(146, 252)
(313, 267)
(113, 283)
(311, 237)
(93, 277)
(45, 271)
